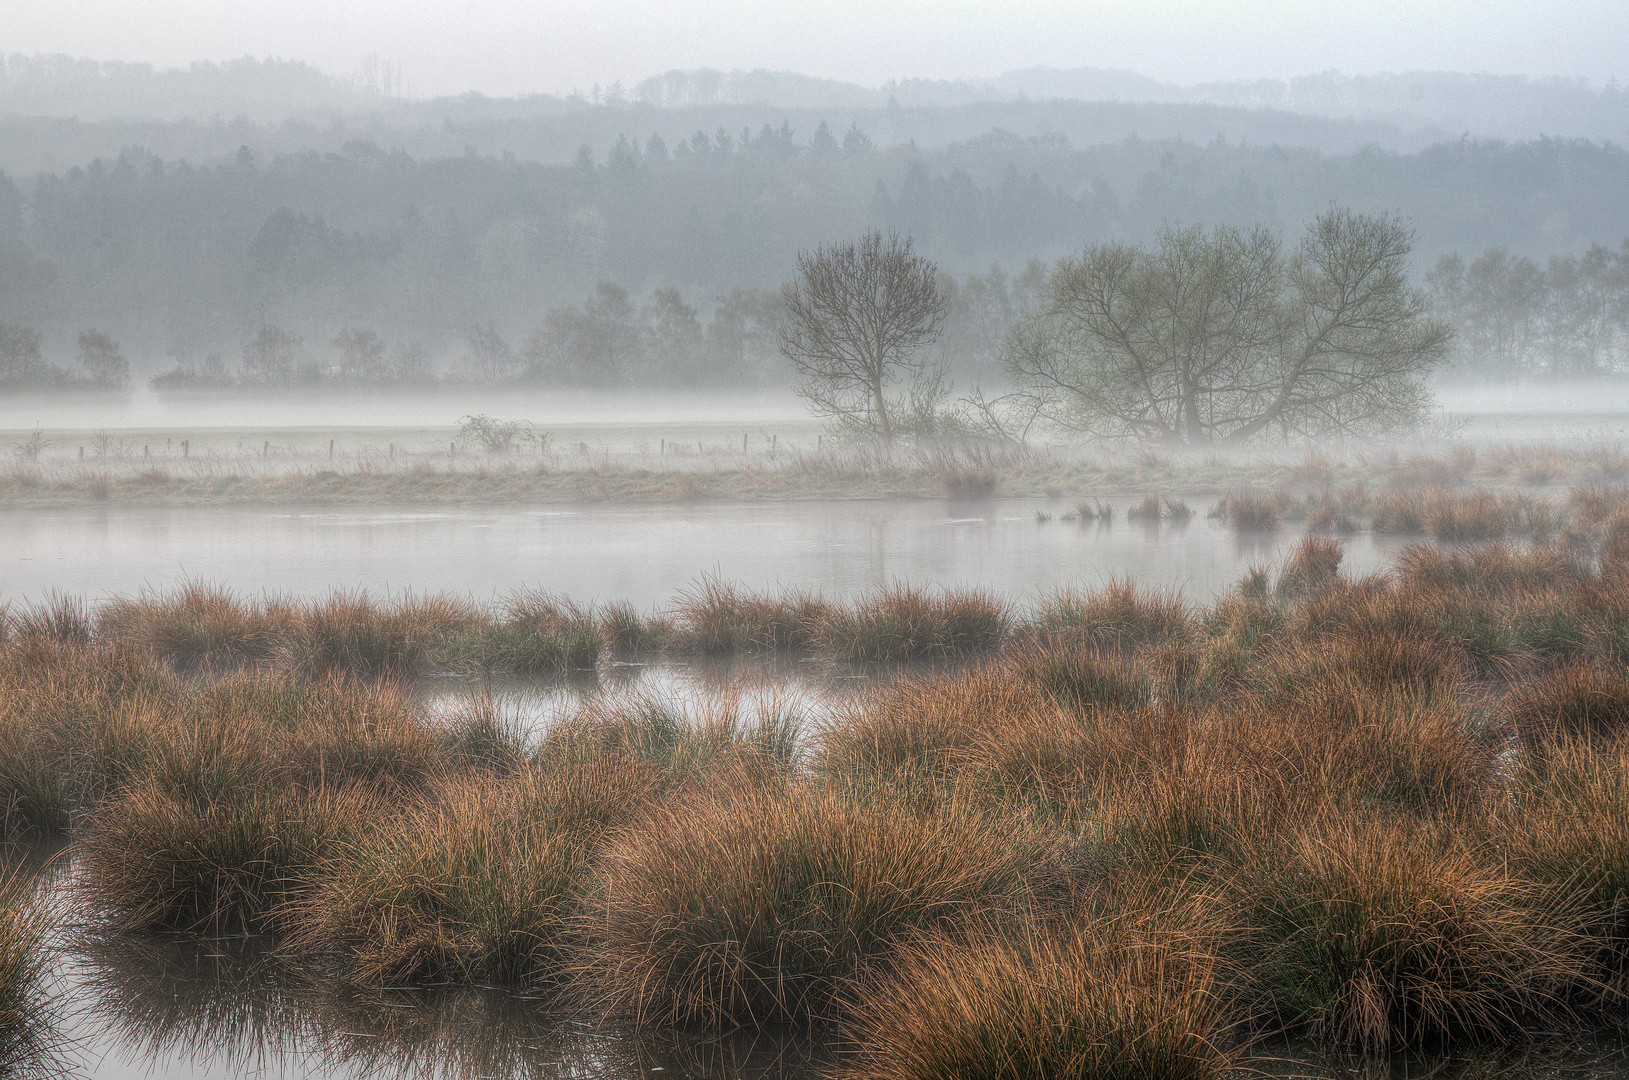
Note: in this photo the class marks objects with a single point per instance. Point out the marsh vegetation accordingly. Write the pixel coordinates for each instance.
(1120, 835)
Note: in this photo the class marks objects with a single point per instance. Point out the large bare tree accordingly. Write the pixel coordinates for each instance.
(859, 319)
(1220, 337)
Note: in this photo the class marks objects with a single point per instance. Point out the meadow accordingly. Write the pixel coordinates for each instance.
(1108, 833)
(780, 460)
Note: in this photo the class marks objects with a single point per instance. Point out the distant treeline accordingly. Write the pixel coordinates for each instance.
(1515, 319)
(179, 261)
(610, 339)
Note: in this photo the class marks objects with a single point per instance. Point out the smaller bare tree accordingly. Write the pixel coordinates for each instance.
(859, 319)
(489, 354)
(102, 360)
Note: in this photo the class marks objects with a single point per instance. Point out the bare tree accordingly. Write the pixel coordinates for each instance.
(361, 353)
(859, 320)
(1221, 336)
(20, 358)
(102, 360)
(272, 355)
(490, 355)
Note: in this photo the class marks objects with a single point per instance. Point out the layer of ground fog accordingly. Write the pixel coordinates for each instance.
(1122, 836)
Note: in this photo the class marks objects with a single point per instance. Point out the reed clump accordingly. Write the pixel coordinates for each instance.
(482, 882)
(1400, 798)
(1252, 511)
(718, 617)
(755, 902)
(538, 632)
(1077, 1002)
(198, 627)
(1567, 830)
(1388, 932)
(356, 634)
(902, 622)
(220, 817)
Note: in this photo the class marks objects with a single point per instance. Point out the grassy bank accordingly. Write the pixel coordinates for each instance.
(720, 473)
(1125, 836)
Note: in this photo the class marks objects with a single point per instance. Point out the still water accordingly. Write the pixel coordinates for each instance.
(184, 1008)
(644, 553)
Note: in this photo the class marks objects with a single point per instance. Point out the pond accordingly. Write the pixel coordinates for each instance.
(645, 554)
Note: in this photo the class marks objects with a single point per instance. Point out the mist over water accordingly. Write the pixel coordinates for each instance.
(645, 554)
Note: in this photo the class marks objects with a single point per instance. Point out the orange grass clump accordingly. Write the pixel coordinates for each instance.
(754, 902)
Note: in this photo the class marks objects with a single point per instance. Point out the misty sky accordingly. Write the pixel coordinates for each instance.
(512, 46)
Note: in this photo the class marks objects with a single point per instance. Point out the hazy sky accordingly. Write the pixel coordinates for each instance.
(510, 46)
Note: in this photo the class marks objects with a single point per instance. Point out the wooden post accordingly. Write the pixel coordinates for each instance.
(186, 447)
(743, 442)
(81, 453)
(330, 449)
(664, 448)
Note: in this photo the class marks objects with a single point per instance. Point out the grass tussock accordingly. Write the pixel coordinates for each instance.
(1082, 1001)
(718, 618)
(1387, 932)
(482, 882)
(902, 622)
(755, 902)
(198, 628)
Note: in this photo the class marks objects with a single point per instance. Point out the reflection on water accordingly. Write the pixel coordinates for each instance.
(184, 1007)
(181, 1007)
(641, 553)
(134, 1007)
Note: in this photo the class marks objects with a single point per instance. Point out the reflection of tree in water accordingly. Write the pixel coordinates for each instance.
(232, 1006)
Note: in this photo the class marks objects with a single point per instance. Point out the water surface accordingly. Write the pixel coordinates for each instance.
(645, 554)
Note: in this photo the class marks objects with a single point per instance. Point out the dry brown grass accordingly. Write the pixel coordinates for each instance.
(1087, 1001)
(482, 881)
(1387, 931)
(902, 622)
(754, 902)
